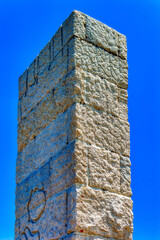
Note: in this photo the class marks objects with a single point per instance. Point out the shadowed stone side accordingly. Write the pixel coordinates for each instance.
(73, 168)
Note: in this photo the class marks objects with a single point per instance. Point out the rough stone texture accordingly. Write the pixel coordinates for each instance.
(58, 173)
(103, 130)
(102, 213)
(103, 169)
(100, 62)
(125, 176)
(73, 168)
(52, 223)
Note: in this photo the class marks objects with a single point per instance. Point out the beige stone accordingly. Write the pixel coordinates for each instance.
(74, 88)
(103, 130)
(125, 176)
(100, 62)
(103, 213)
(74, 25)
(73, 168)
(48, 143)
(85, 27)
(103, 169)
(59, 172)
(47, 80)
(57, 101)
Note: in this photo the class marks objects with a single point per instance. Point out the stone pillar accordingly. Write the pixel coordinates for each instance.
(73, 167)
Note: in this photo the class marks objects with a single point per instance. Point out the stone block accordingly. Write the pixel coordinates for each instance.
(36, 69)
(17, 229)
(57, 101)
(51, 140)
(99, 62)
(19, 115)
(92, 237)
(71, 54)
(103, 214)
(91, 30)
(47, 80)
(52, 49)
(73, 167)
(47, 224)
(101, 35)
(74, 25)
(103, 130)
(97, 93)
(58, 41)
(22, 86)
(59, 172)
(44, 59)
(31, 73)
(123, 103)
(104, 94)
(125, 165)
(122, 46)
(103, 169)
(123, 108)
(76, 237)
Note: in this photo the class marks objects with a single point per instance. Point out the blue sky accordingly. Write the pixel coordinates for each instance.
(26, 26)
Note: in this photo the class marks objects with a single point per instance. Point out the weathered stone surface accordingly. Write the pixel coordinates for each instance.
(97, 93)
(50, 225)
(73, 168)
(44, 58)
(122, 46)
(99, 62)
(46, 81)
(17, 229)
(58, 44)
(105, 37)
(123, 103)
(58, 173)
(19, 115)
(32, 73)
(57, 101)
(49, 142)
(102, 213)
(83, 236)
(125, 176)
(76, 237)
(103, 130)
(91, 30)
(75, 88)
(74, 25)
(92, 237)
(103, 169)
(52, 140)
(101, 35)
(22, 83)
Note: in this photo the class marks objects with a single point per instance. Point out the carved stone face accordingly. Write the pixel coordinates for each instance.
(36, 204)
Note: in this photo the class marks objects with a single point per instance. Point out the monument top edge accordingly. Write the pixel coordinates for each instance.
(81, 25)
(75, 11)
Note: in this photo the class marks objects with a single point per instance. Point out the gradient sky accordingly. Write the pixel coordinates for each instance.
(26, 26)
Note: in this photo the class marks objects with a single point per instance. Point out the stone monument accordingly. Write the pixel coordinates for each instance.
(73, 166)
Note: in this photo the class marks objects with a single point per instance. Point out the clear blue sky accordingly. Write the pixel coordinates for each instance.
(25, 27)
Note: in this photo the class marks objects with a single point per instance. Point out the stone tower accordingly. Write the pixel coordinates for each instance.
(73, 167)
